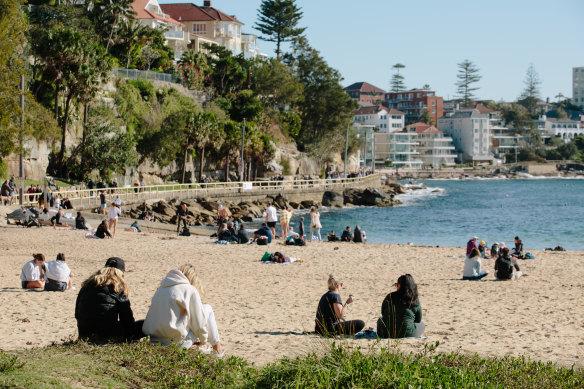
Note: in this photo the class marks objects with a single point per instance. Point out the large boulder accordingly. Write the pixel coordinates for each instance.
(332, 199)
(367, 196)
(394, 187)
(164, 208)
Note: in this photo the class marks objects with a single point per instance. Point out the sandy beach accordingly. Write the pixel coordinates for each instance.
(262, 310)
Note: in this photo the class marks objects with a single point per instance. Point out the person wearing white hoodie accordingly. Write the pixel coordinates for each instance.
(178, 315)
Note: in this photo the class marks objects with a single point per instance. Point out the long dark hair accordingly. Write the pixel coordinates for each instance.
(408, 291)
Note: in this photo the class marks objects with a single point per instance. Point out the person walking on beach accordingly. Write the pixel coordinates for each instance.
(401, 313)
(32, 274)
(103, 310)
(315, 225)
(177, 313)
(102, 202)
(113, 214)
(330, 312)
(270, 214)
(181, 216)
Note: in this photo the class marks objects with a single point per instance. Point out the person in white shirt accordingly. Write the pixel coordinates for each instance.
(113, 214)
(271, 216)
(291, 233)
(472, 266)
(58, 275)
(32, 275)
(177, 313)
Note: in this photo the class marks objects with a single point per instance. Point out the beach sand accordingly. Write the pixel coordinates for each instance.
(262, 310)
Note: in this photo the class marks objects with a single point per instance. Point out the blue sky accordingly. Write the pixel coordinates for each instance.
(363, 39)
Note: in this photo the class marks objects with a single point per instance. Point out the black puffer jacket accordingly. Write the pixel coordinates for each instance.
(103, 315)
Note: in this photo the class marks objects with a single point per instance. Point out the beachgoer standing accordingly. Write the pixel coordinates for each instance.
(114, 213)
(181, 216)
(270, 214)
(285, 217)
(315, 225)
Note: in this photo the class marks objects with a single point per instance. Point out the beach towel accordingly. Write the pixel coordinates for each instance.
(90, 235)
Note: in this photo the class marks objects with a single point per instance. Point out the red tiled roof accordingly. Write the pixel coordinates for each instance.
(364, 87)
(370, 109)
(139, 7)
(394, 111)
(195, 13)
(479, 107)
(423, 128)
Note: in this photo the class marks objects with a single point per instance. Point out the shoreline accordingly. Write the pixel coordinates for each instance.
(262, 310)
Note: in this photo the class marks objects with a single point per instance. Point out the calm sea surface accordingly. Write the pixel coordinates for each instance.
(542, 212)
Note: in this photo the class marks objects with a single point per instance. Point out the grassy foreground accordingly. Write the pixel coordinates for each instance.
(142, 365)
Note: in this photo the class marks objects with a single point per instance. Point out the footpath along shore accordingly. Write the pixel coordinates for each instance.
(263, 310)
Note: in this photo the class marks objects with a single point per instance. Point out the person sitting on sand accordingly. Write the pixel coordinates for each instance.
(472, 244)
(330, 312)
(483, 250)
(103, 310)
(347, 235)
(225, 234)
(359, 235)
(263, 235)
(506, 267)
(102, 231)
(32, 274)
(401, 313)
(472, 266)
(80, 222)
(332, 237)
(58, 275)
(178, 315)
(495, 250)
(517, 251)
(242, 236)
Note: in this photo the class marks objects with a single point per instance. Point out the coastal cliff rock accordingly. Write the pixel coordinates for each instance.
(368, 197)
(332, 199)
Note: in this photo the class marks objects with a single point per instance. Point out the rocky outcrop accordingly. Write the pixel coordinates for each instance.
(332, 199)
(368, 197)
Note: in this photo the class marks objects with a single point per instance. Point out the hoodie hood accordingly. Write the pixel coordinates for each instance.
(174, 277)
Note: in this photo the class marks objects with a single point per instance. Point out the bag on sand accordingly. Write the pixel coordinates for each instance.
(267, 257)
(529, 256)
(186, 232)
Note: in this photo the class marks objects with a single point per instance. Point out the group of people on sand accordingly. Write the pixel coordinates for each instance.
(506, 267)
(401, 313)
(358, 236)
(51, 276)
(176, 315)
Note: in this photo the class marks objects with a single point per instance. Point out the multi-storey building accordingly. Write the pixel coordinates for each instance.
(209, 25)
(434, 148)
(365, 93)
(566, 129)
(385, 119)
(578, 86)
(414, 101)
(470, 132)
(149, 13)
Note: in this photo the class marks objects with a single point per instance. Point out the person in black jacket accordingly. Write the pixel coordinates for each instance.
(103, 309)
(181, 216)
(102, 231)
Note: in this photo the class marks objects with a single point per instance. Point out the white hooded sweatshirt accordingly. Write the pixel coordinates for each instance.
(175, 310)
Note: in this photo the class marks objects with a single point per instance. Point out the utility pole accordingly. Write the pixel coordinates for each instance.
(241, 169)
(21, 178)
(346, 151)
(372, 152)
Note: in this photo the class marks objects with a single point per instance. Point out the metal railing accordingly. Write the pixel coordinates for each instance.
(88, 198)
(135, 74)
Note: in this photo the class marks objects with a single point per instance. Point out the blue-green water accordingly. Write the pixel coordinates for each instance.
(543, 213)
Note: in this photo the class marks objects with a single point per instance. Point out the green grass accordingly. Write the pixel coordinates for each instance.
(142, 365)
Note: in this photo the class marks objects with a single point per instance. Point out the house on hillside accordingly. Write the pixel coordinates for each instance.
(365, 93)
(385, 119)
(149, 13)
(566, 129)
(206, 24)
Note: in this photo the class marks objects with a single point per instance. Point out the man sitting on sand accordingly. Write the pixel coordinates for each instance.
(506, 267)
(347, 235)
(263, 236)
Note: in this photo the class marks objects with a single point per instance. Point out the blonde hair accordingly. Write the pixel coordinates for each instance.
(189, 271)
(333, 282)
(108, 276)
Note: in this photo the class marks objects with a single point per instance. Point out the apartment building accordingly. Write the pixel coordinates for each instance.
(434, 148)
(470, 132)
(566, 129)
(414, 101)
(385, 119)
(578, 86)
(206, 24)
(365, 93)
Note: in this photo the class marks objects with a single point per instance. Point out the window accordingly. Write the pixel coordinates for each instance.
(433, 103)
(200, 28)
(434, 111)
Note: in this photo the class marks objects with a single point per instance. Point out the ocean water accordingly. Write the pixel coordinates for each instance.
(542, 212)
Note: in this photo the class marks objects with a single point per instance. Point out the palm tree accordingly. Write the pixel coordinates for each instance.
(115, 10)
(132, 33)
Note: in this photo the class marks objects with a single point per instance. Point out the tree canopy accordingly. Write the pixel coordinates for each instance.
(277, 21)
(468, 75)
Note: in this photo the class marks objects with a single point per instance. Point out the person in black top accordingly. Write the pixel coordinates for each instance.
(506, 267)
(242, 234)
(102, 231)
(329, 314)
(518, 249)
(103, 310)
(102, 202)
(347, 236)
(181, 215)
(80, 222)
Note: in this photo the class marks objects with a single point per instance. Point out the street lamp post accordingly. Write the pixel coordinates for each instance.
(241, 168)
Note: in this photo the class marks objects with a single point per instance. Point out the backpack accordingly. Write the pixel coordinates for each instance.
(186, 232)
(529, 255)
(299, 242)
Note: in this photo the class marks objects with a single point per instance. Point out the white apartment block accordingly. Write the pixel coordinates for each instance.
(564, 128)
(578, 86)
(385, 119)
(470, 132)
(435, 149)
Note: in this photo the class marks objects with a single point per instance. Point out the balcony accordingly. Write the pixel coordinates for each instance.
(177, 35)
